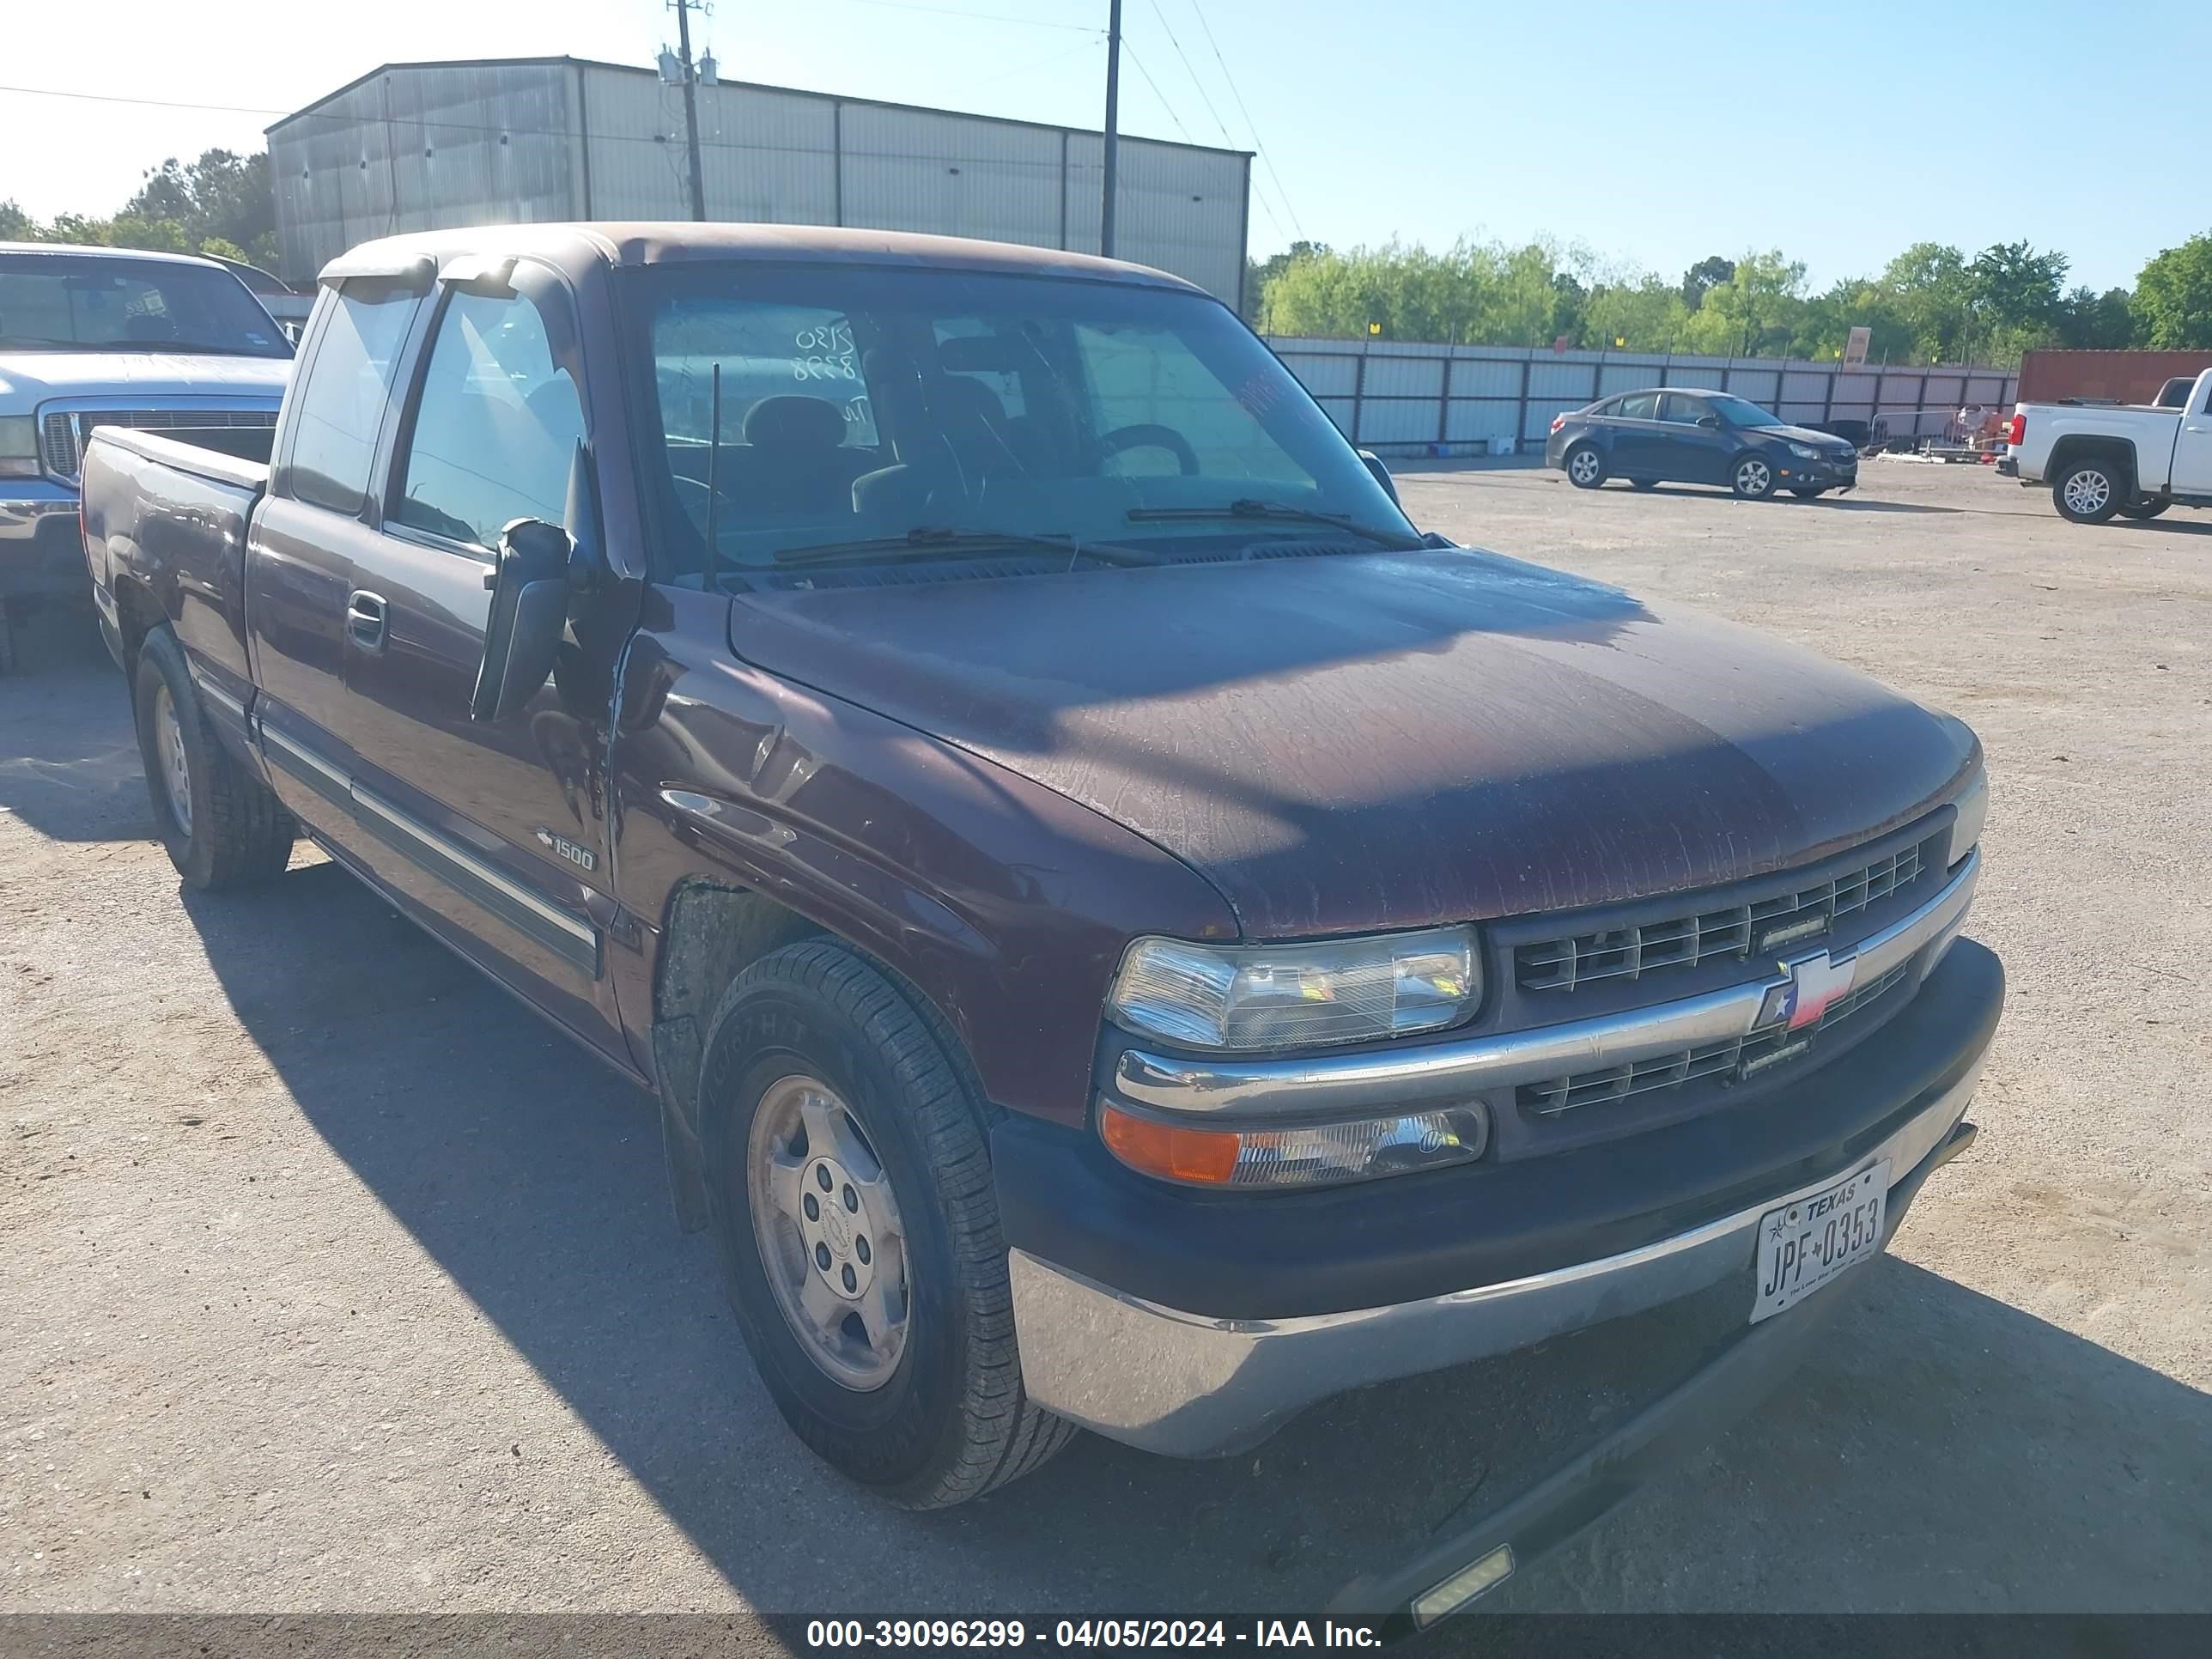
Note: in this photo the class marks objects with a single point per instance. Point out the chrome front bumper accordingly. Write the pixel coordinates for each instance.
(1188, 1386)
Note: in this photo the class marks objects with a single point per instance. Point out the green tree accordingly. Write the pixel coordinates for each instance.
(221, 196)
(1647, 315)
(2103, 321)
(1754, 313)
(1258, 273)
(1701, 278)
(2173, 297)
(2016, 298)
(1928, 296)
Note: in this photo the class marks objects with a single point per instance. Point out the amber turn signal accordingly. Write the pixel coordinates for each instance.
(1207, 1157)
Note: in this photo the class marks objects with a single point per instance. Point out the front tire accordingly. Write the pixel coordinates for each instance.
(2141, 510)
(1752, 478)
(876, 1306)
(1585, 467)
(2088, 492)
(221, 825)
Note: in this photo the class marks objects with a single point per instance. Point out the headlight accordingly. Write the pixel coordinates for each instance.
(1296, 996)
(1973, 805)
(19, 447)
(1805, 451)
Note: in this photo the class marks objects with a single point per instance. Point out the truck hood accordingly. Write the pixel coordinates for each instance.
(1357, 742)
(30, 377)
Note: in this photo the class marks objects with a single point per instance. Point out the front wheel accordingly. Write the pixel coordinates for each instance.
(850, 1182)
(1585, 466)
(1752, 478)
(2087, 492)
(2141, 510)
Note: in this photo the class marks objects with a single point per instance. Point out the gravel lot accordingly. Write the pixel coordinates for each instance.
(331, 1279)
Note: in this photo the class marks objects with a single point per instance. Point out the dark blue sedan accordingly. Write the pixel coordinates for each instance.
(1675, 436)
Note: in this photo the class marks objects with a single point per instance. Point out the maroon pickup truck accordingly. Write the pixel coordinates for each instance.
(1124, 930)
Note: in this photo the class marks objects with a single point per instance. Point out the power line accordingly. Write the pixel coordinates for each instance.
(1040, 62)
(1250, 125)
(1157, 93)
(1187, 70)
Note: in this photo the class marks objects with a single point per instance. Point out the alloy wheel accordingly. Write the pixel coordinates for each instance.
(1752, 478)
(2088, 491)
(1583, 469)
(176, 768)
(831, 1237)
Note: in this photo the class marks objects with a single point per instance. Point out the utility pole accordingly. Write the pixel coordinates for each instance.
(1112, 123)
(691, 102)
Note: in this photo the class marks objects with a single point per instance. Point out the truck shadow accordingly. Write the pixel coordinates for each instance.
(1949, 1450)
(68, 777)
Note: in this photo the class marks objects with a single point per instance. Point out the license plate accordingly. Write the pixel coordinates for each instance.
(1806, 1242)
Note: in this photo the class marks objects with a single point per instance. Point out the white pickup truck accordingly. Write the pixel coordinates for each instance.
(2136, 461)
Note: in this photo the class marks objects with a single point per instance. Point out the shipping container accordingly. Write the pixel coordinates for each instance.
(2120, 377)
(427, 146)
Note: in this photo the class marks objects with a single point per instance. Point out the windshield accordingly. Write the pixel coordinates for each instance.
(878, 414)
(1736, 412)
(55, 302)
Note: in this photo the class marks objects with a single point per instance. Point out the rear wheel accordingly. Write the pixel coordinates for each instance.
(2149, 509)
(1752, 478)
(1585, 466)
(2088, 492)
(850, 1183)
(220, 823)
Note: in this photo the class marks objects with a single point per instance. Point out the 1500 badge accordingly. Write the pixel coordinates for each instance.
(582, 857)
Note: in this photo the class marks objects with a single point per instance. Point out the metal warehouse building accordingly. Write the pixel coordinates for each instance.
(422, 146)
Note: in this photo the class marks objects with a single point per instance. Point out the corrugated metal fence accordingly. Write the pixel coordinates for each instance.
(1398, 397)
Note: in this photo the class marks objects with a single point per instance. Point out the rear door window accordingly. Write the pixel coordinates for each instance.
(1679, 411)
(1638, 406)
(342, 400)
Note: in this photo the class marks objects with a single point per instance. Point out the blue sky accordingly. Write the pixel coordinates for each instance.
(1653, 133)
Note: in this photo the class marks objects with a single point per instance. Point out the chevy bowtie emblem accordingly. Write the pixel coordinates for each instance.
(1816, 983)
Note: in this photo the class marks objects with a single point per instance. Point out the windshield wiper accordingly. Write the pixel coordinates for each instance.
(927, 541)
(1250, 507)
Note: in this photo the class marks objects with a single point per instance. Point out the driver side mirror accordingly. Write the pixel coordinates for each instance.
(1712, 421)
(1374, 464)
(529, 586)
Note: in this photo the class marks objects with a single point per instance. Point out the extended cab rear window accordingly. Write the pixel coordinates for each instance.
(341, 401)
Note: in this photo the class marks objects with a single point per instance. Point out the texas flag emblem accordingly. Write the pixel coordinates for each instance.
(1816, 983)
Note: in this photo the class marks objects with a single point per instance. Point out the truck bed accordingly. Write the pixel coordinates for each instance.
(165, 526)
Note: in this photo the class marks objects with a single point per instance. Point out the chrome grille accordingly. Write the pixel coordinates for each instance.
(1767, 925)
(64, 432)
(1732, 1061)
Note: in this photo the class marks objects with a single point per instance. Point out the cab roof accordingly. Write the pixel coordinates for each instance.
(571, 248)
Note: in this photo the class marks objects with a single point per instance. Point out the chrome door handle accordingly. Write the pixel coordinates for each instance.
(366, 619)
